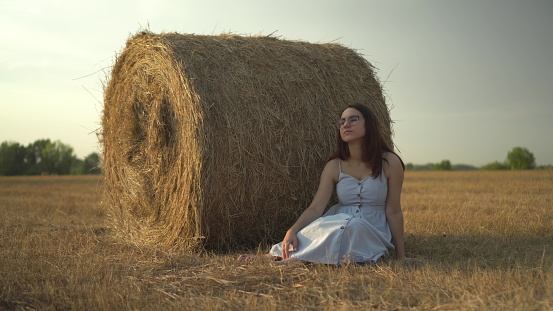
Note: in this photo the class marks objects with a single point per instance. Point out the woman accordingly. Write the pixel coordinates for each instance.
(368, 221)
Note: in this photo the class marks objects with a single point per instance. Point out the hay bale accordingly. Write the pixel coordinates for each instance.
(218, 141)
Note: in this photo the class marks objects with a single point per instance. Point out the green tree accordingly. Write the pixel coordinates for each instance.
(34, 156)
(77, 167)
(91, 164)
(56, 158)
(12, 159)
(495, 166)
(463, 167)
(38, 157)
(521, 158)
(445, 165)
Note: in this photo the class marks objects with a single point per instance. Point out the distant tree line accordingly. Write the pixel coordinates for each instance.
(45, 157)
(519, 158)
(445, 165)
(54, 157)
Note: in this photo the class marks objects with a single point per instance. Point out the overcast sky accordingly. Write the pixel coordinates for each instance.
(467, 80)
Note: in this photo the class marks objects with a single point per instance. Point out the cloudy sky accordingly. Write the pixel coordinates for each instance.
(467, 80)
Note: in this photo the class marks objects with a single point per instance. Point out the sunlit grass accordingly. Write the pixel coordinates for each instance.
(485, 240)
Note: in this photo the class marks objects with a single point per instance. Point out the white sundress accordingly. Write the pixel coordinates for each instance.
(354, 230)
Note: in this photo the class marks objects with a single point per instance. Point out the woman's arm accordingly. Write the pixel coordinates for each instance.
(394, 173)
(329, 178)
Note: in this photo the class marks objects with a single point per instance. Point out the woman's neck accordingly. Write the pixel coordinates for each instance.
(355, 152)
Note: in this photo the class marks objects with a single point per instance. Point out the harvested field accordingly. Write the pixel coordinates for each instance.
(485, 240)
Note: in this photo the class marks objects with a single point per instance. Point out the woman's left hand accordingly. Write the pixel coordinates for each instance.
(289, 244)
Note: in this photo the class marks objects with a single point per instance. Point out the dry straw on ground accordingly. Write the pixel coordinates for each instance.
(218, 141)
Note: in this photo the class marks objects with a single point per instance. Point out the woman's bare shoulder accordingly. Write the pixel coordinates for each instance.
(392, 158)
(332, 169)
(392, 165)
(333, 162)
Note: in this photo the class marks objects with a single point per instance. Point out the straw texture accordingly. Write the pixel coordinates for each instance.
(218, 141)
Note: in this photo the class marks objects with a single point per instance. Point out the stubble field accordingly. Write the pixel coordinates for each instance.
(484, 240)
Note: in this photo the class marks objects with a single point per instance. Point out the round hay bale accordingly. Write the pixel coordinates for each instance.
(219, 141)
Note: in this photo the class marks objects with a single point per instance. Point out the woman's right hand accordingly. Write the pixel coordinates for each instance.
(289, 244)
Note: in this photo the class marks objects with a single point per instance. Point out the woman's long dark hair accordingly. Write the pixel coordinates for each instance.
(374, 145)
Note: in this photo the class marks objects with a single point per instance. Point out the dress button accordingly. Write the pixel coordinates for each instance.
(359, 184)
(358, 195)
(342, 227)
(357, 211)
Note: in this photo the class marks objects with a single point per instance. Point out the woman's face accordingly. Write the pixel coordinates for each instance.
(353, 125)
